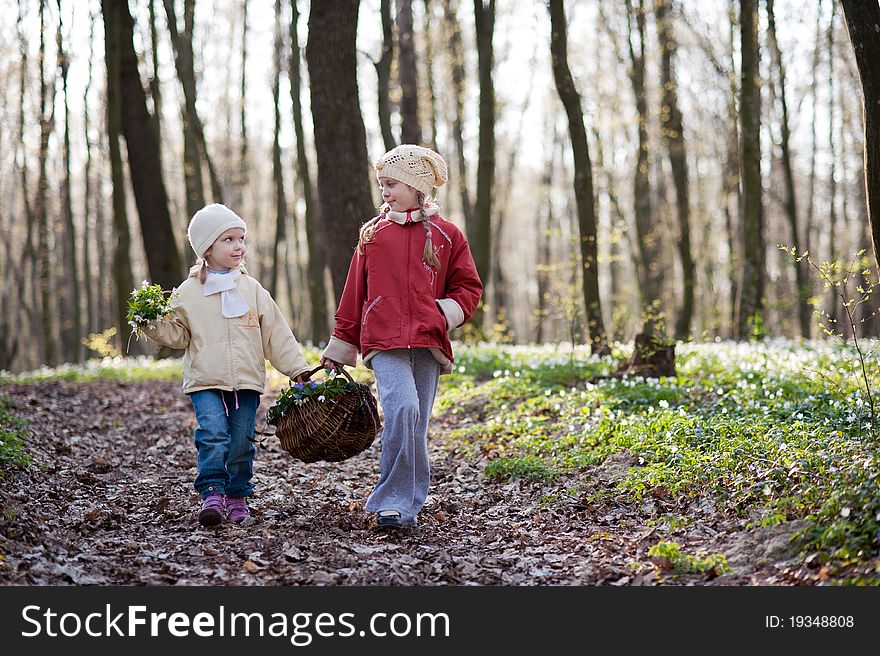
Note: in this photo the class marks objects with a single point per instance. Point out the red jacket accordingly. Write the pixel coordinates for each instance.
(392, 299)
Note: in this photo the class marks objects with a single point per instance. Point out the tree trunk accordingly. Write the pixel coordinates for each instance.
(47, 125)
(867, 311)
(652, 358)
(318, 325)
(583, 176)
(122, 276)
(545, 230)
(155, 82)
(27, 278)
(383, 75)
(862, 19)
(732, 183)
(410, 128)
(619, 231)
(480, 233)
(832, 301)
(751, 307)
(790, 203)
(277, 172)
(242, 173)
(340, 136)
(428, 38)
(457, 74)
(71, 318)
(89, 236)
(647, 229)
(814, 86)
(163, 258)
(184, 64)
(673, 136)
(11, 322)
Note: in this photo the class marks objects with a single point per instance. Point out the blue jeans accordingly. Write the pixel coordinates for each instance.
(227, 421)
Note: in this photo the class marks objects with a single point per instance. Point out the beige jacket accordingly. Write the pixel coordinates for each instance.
(228, 354)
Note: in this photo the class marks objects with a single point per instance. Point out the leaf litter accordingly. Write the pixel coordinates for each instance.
(109, 501)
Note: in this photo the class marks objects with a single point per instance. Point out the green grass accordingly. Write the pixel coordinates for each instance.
(13, 432)
(777, 430)
(773, 431)
(142, 368)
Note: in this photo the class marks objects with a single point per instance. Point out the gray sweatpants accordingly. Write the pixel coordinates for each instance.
(407, 383)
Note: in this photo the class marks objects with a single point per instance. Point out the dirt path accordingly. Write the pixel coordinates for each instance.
(111, 502)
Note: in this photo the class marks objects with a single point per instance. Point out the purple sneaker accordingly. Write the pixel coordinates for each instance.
(237, 509)
(211, 513)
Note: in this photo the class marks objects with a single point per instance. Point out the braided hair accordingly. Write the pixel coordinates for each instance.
(368, 233)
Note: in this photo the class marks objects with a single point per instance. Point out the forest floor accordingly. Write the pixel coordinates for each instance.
(109, 501)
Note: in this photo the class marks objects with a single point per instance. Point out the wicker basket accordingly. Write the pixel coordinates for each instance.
(332, 430)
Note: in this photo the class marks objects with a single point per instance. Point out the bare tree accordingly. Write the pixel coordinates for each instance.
(583, 176)
(89, 236)
(410, 128)
(457, 74)
(340, 136)
(184, 64)
(10, 322)
(480, 230)
(751, 305)
(832, 306)
(647, 227)
(41, 213)
(151, 198)
(790, 203)
(155, 83)
(383, 75)
(428, 39)
(862, 19)
(122, 276)
(71, 315)
(243, 163)
(277, 172)
(318, 325)
(673, 136)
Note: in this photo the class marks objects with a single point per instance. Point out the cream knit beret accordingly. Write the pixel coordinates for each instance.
(420, 168)
(209, 223)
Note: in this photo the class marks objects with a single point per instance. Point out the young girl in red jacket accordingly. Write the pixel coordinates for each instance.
(412, 279)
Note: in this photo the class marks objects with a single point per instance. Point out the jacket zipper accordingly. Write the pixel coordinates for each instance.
(406, 289)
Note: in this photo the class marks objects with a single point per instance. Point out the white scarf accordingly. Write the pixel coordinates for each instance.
(232, 301)
(401, 217)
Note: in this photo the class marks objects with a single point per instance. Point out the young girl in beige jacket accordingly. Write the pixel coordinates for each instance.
(229, 325)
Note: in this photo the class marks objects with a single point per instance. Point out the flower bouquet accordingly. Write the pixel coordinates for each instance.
(330, 420)
(148, 303)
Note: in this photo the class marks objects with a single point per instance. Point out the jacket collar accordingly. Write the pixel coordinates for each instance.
(194, 270)
(410, 215)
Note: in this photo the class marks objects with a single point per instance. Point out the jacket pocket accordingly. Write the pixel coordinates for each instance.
(429, 323)
(210, 365)
(380, 319)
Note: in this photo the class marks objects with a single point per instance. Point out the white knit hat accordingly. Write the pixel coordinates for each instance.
(420, 168)
(209, 223)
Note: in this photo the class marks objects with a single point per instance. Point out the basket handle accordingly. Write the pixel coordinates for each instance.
(341, 368)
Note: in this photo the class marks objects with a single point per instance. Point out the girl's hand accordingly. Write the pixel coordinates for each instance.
(327, 363)
(301, 378)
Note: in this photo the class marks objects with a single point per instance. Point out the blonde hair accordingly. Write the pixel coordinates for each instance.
(368, 233)
(203, 268)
